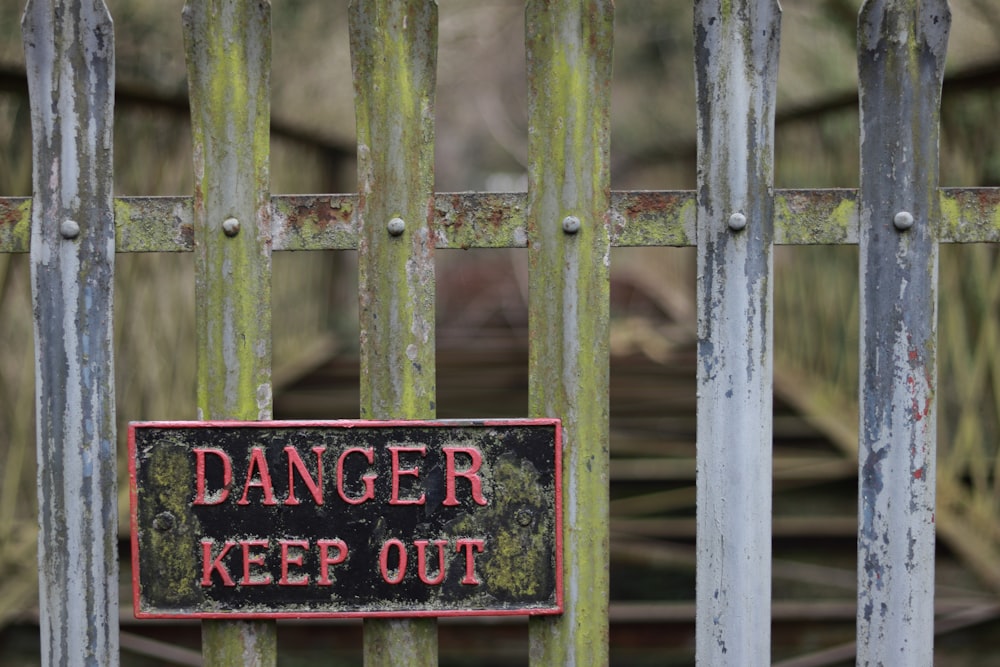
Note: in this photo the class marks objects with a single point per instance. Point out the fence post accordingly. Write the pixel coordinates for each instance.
(901, 56)
(569, 82)
(736, 63)
(394, 56)
(228, 48)
(69, 49)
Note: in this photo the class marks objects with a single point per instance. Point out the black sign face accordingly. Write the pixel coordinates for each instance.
(345, 518)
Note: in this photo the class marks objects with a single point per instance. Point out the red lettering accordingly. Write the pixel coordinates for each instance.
(470, 473)
(199, 484)
(398, 472)
(295, 463)
(287, 560)
(422, 561)
(470, 566)
(208, 563)
(369, 480)
(325, 561)
(258, 461)
(383, 562)
(256, 559)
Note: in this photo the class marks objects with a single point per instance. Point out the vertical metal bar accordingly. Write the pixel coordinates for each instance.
(901, 64)
(736, 62)
(394, 56)
(69, 50)
(228, 48)
(569, 45)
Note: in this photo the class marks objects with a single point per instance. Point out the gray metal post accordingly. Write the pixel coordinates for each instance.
(736, 58)
(228, 49)
(569, 53)
(901, 66)
(394, 61)
(69, 49)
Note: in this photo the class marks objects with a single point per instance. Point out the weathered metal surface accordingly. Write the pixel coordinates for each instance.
(815, 217)
(311, 222)
(569, 48)
(969, 215)
(159, 224)
(497, 220)
(69, 52)
(228, 51)
(349, 518)
(901, 65)
(648, 218)
(480, 220)
(394, 61)
(736, 62)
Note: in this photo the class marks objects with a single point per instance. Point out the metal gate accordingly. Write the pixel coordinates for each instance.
(568, 220)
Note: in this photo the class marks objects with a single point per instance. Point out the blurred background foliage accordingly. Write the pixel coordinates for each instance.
(482, 145)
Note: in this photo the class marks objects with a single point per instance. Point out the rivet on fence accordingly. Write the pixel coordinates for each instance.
(903, 220)
(69, 229)
(396, 226)
(231, 226)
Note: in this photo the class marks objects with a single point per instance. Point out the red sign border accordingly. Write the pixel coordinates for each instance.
(558, 608)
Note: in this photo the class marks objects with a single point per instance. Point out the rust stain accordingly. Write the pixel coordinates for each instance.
(187, 235)
(319, 213)
(453, 216)
(988, 197)
(496, 215)
(643, 204)
(9, 214)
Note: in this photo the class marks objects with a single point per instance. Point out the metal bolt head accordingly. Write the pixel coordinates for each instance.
(903, 220)
(396, 226)
(571, 224)
(737, 221)
(69, 229)
(523, 516)
(164, 521)
(231, 226)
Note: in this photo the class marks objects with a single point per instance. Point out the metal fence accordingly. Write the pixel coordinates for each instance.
(568, 220)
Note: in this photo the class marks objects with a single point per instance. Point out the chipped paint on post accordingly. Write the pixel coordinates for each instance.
(569, 75)
(901, 65)
(69, 51)
(228, 49)
(394, 60)
(736, 60)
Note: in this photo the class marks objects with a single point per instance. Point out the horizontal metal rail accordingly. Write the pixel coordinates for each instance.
(497, 220)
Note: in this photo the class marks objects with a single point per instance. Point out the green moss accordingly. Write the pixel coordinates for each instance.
(516, 560)
(569, 73)
(229, 62)
(172, 553)
(951, 216)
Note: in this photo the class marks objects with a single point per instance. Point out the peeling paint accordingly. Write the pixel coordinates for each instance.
(70, 70)
(736, 58)
(902, 45)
